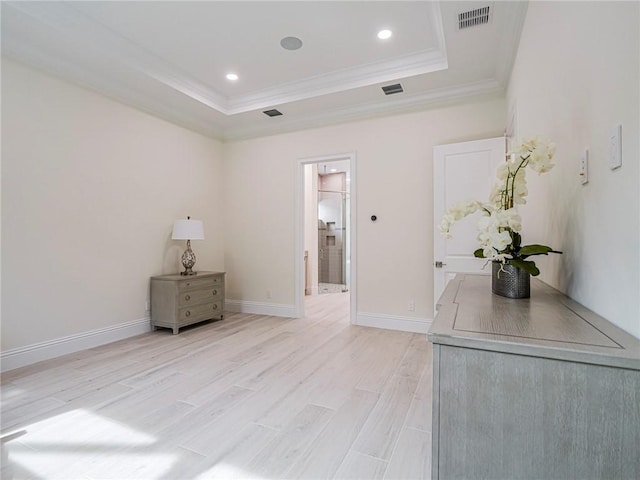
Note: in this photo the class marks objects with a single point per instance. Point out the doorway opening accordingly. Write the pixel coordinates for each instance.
(333, 206)
(325, 234)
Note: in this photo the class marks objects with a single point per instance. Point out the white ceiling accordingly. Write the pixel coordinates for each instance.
(170, 58)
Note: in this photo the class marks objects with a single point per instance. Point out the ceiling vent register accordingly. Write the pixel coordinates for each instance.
(391, 89)
(272, 113)
(473, 18)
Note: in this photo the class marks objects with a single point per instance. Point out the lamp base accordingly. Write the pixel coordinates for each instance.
(188, 260)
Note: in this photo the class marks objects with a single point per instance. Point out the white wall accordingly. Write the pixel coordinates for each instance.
(90, 190)
(576, 75)
(394, 165)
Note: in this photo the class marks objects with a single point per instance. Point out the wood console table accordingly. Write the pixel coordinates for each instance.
(538, 388)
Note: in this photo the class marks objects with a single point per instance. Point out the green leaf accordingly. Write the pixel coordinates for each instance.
(535, 249)
(526, 265)
(478, 253)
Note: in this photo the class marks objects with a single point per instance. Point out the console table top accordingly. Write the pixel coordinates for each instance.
(549, 325)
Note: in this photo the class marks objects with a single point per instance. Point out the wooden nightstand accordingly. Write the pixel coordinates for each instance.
(178, 301)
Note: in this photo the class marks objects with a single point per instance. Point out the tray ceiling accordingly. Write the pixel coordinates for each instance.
(171, 58)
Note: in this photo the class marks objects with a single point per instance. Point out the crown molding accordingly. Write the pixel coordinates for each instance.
(409, 65)
(408, 102)
(23, 42)
(114, 51)
(415, 63)
(119, 52)
(100, 83)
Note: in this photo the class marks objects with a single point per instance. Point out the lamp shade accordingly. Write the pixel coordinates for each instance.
(188, 230)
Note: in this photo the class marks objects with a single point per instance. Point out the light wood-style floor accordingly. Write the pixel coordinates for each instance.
(250, 396)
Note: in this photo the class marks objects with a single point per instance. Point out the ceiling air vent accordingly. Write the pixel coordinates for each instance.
(272, 113)
(472, 18)
(391, 89)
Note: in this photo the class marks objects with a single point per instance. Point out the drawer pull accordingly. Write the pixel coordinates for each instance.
(215, 306)
(187, 297)
(187, 313)
(214, 292)
(188, 284)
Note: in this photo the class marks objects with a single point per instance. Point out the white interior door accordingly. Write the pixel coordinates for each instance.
(461, 171)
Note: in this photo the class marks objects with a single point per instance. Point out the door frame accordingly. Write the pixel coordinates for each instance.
(299, 230)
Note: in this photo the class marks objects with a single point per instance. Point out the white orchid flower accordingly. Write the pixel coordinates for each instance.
(500, 224)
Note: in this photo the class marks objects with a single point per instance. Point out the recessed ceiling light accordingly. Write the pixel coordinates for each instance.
(291, 43)
(384, 34)
(232, 76)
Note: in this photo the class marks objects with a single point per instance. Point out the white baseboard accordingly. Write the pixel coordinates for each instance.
(392, 322)
(274, 309)
(22, 356)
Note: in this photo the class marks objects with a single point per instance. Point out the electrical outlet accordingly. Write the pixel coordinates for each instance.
(147, 306)
(268, 293)
(411, 306)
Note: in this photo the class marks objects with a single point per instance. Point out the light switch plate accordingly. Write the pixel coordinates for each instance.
(615, 148)
(584, 167)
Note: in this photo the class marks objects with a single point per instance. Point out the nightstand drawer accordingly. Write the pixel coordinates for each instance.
(194, 297)
(198, 283)
(200, 312)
